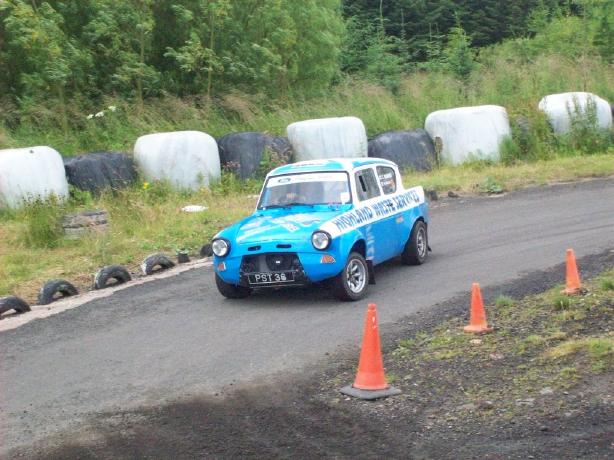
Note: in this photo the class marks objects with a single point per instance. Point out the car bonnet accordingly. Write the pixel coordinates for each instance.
(277, 226)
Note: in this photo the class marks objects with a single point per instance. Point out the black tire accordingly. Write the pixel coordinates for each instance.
(417, 247)
(231, 291)
(116, 272)
(353, 281)
(156, 260)
(13, 303)
(183, 257)
(206, 251)
(48, 292)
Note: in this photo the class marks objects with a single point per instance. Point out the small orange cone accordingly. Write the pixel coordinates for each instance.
(477, 319)
(572, 278)
(370, 382)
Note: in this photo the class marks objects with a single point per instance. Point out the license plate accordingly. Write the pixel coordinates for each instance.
(270, 278)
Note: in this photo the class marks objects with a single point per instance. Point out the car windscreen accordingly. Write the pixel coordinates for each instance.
(305, 189)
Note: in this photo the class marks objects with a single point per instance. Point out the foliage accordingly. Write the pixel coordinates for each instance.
(369, 52)
(270, 160)
(140, 48)
(561, 302)
(424, 24)
(585, 134)
(458, 54)
(607, 285)
(504, 301)
(491, 186)
(41, 220)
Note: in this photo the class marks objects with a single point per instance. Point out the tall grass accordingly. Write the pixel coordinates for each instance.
(41, 223)
(502, 79)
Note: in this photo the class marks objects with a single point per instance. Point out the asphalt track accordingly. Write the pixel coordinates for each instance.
(177, 338)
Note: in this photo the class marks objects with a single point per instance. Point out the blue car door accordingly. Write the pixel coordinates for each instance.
(397, 224)
(381, 243)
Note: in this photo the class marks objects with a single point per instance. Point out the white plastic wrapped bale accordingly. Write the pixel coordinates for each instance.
(322, 138)
(186, 159)
(467, 133)
(561, 108)
(31, 173)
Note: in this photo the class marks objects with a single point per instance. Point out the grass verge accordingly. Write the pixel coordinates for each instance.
(536, 358)
(481, 177)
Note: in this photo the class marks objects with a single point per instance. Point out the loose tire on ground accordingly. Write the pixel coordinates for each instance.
(116, 272)
(352, 283)
(417, 247)
(49, 291)
(156, 260)
(206, 251)
(231, 291)
(13, 303)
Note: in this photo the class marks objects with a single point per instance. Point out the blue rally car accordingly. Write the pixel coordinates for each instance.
(323, 220)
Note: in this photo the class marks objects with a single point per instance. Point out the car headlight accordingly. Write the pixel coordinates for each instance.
(320, 240)
(220, 247)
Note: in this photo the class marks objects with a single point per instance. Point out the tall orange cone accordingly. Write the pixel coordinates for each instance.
(370, 382)
(477, 319)
(572, 278)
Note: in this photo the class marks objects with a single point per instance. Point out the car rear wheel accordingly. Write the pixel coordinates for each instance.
(417, 247)
(352, 282)
(231, 291)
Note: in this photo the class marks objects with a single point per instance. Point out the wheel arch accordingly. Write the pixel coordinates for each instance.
(359, 246)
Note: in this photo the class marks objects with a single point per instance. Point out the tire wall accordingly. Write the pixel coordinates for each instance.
(469, 132)
(186, 159)
(558, 108)
(97, 171)
(409, 149)
(30, 173)
(323, 138)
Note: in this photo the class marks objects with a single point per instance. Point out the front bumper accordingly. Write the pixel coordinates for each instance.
(305, 263)
(275, 264)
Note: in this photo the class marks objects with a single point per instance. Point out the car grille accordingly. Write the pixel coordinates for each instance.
(270, 262)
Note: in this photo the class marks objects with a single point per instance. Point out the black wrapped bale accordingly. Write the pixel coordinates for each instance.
(96, 171)
(408, 149)
(242, 153)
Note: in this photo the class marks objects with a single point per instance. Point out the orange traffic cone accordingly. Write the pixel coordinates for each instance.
(572, 278)
(477, 319)
(370, 380)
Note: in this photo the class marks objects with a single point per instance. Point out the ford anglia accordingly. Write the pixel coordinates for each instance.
(323, 221)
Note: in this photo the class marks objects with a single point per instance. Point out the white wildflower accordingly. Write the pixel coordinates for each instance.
(90, 116)
(100, 114)
(112, 108)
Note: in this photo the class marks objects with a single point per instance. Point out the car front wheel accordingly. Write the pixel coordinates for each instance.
(417, 247)
(231, 291)
(352, 282)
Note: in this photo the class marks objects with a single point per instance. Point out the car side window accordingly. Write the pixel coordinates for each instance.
(366, 184)
(387, 179)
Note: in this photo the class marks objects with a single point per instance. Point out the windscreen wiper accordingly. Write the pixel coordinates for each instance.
(287, 205)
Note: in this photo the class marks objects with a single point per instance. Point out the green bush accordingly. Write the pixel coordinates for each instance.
(585, 134)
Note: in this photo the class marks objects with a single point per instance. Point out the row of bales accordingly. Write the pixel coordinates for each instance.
(193, 159)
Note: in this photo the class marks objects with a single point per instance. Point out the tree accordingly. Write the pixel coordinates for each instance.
(369, 51)
(458, 54)
(40, 51)
(604, 33)
(119, 36)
